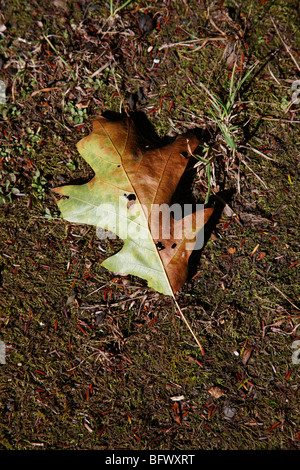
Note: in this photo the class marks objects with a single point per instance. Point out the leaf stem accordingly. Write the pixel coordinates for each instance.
(188, 325)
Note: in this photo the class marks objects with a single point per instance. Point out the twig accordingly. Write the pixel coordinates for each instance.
(105, 66)
(249, 168)
(81, 362)
(119, 93)
(214, 24)
(281, 293)
(96, 290)
(258, 152)
(189, 42)
(265, 118)
(285, 45)
(45, 90)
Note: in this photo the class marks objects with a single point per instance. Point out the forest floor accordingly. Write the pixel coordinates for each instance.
(89, 361)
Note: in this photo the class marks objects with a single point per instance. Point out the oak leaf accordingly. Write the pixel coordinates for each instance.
(132, 183)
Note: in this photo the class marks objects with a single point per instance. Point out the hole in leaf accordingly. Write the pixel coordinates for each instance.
(174, 245)
(160, 246)
(131, 200)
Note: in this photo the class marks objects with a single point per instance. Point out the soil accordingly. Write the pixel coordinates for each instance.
(94, 361)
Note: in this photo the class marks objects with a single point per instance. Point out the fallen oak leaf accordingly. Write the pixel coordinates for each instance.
(130, 195)
(132, 185)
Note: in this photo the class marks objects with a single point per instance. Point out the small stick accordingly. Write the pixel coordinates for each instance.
(189, 42)
(249, 168)
(284, 296)
(285, 45)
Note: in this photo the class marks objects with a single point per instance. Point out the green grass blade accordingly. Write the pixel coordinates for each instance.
(238, 87)
(61, 58)
(120, 7)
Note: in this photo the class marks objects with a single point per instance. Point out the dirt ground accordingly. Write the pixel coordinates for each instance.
(90, 360)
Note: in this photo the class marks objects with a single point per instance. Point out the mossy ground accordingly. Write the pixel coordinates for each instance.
(94, 362)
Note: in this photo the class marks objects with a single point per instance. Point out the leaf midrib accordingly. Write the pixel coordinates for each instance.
(136, 194)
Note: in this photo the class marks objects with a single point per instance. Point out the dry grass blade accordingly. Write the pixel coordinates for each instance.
(248, 147)
(283, 295)
(253, 172)
(285, 45)
(190, 43)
